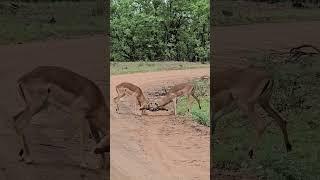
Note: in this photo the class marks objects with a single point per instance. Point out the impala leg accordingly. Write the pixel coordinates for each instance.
(23, 119)
(117, 99)
(189, 103)
(97, 138)
(79, 114)
(224, 103)
(83, 141)
(280, 121)
(175, 106)
(260, 127)
(196, 98)
(137, 111)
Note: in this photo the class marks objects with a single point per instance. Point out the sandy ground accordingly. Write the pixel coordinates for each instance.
(157, 146)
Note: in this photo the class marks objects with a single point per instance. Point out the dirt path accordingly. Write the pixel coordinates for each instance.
(157, 147)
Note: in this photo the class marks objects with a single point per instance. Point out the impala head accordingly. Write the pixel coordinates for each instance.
(154, 106)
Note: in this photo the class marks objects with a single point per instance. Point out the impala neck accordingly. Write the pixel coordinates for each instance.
(166, 100)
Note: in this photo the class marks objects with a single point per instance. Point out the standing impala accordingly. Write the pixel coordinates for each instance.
(50, 85)
(245, 88)
(183, 89)
(130, 89)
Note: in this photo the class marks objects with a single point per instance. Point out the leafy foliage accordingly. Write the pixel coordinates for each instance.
(158, 30)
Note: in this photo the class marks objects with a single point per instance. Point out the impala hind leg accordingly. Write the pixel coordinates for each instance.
(136, 109)
(21, 121)
(97, 138)
(280, 121)
(196, 98)
(189, 103)
(79, 113)
(257, 121)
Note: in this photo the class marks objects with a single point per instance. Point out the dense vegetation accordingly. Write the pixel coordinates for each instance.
(160, 30)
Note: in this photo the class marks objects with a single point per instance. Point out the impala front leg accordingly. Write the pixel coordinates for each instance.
(83, 140)
(136, 109)
(79, 115)
(21, 121)
(189, 103)
(256, 121)
(175, 106)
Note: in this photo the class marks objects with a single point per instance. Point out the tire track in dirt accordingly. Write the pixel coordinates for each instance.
(157, 146)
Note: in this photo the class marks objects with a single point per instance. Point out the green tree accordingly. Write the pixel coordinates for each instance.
(160, 30)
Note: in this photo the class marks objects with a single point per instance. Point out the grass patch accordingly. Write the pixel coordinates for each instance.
(142, 66)
(31, 21)
(248, 12)
(199, 115)
(297, 97)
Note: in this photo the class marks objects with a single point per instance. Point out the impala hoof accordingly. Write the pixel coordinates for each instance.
(21, 152)
(250, 154)
(289, 147)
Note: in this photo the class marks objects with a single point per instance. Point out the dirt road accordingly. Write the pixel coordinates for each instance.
(161, 146)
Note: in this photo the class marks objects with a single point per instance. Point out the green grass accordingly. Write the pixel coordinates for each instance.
(247, 12)
(297, 96)
(142, 66)
(199, 115)
(30, 22)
